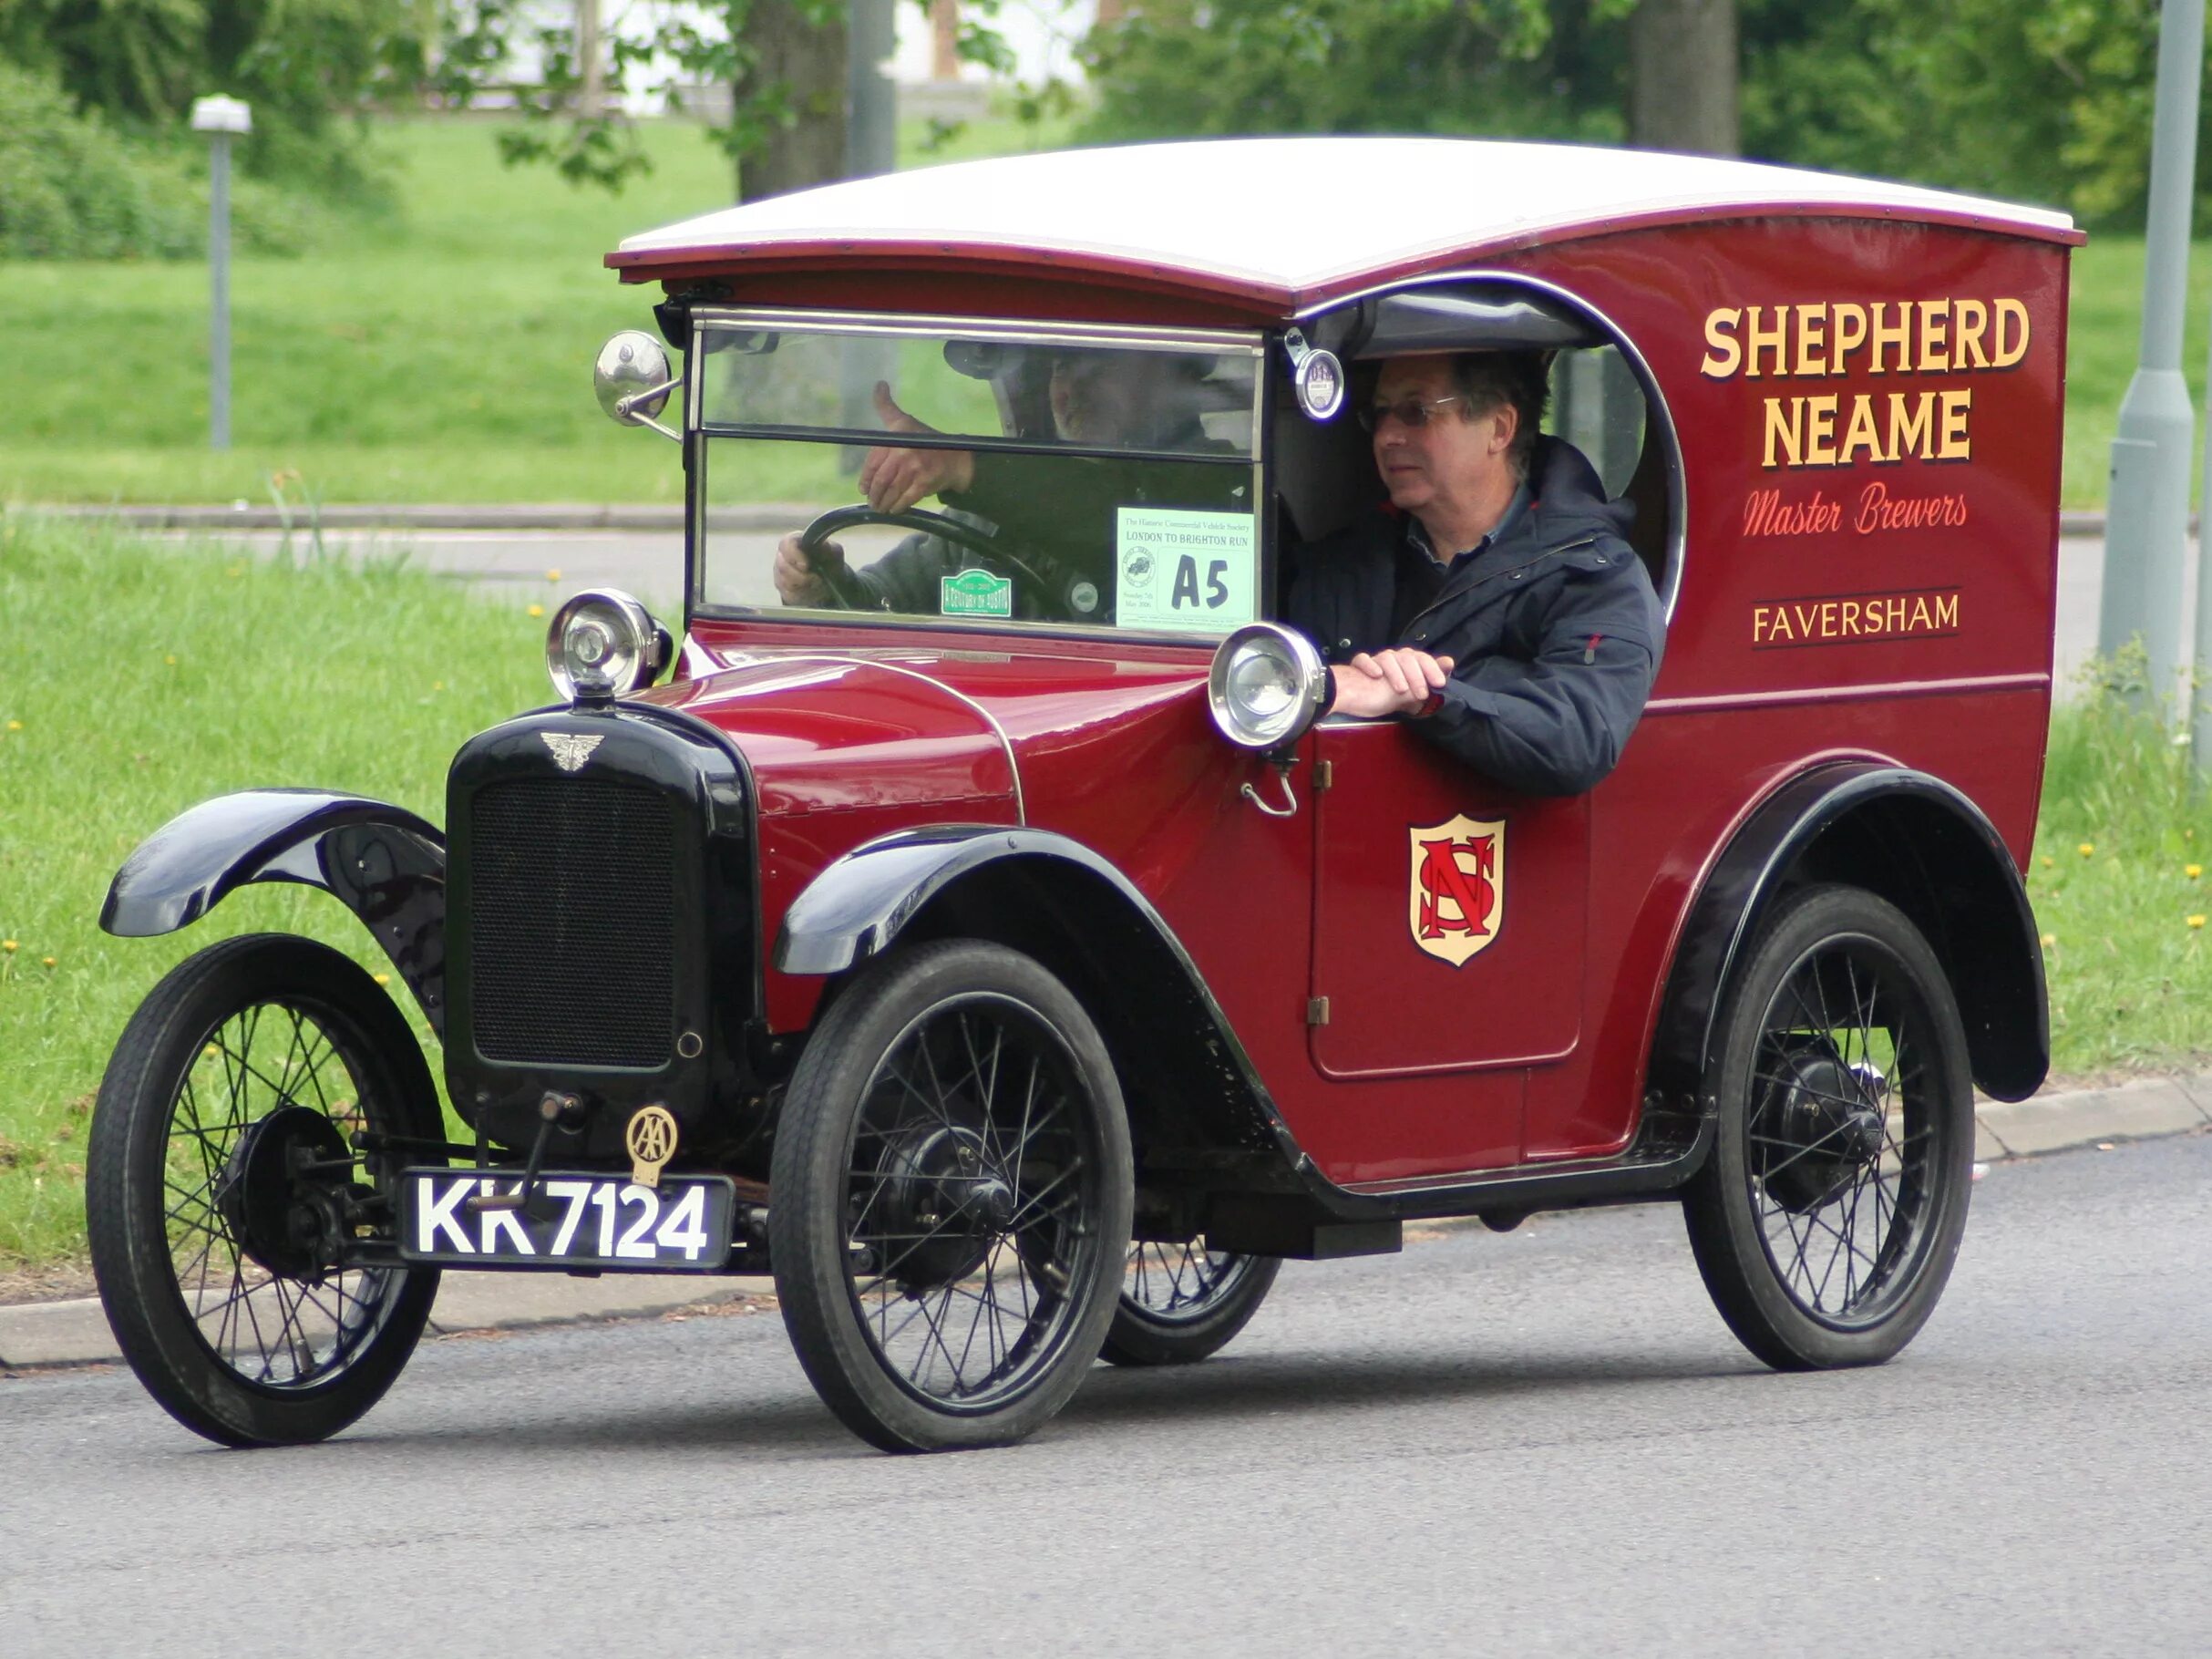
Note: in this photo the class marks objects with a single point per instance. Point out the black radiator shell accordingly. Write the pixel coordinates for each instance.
(631, 961)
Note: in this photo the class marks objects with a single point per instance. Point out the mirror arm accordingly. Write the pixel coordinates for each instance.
(626, 409)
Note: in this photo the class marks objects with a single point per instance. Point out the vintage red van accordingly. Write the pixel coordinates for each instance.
(997, 941)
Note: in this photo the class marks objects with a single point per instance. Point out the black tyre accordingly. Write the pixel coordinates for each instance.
(213, 1250)
(1826, 1221)
(949, 1198)
(1180, 1302)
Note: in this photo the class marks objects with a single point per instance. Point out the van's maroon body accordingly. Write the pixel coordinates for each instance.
(1537, 1048)
(1019, 992)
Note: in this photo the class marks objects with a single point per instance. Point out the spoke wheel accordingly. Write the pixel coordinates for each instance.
(216, 1251)
(1827, 1219)
(1180, 1302)
(952, 1194)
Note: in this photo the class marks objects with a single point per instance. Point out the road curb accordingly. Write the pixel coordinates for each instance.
(35, 1336)
(40, 1334)
(2138, 1110)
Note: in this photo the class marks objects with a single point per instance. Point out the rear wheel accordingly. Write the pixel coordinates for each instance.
(951, 1197)
(221, 1189)
(1181, 1303)
(1826, 1221)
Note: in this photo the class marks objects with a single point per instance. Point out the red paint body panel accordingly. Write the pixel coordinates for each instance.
(1794, 641)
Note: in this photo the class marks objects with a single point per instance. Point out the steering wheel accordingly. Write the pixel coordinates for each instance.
(851, 596)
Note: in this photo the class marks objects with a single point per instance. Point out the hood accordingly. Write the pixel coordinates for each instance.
(954, 731)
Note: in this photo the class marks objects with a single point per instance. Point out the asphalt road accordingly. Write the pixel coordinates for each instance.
(1539, 1443)
(650, 565)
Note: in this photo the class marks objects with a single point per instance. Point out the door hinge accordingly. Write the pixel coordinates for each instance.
(1324, 774)
(1317, 1011)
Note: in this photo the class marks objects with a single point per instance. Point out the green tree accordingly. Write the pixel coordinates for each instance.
(1546, 68)
(782, 62)
(2049, 102)
(308, 67)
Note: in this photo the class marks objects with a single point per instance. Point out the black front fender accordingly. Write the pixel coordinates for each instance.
(381, 862)
(1060, 901)
(855, 907)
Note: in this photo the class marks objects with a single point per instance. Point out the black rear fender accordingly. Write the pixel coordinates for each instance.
(381, 862)
(1916, 842)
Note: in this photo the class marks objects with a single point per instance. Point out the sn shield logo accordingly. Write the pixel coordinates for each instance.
(1457, 898)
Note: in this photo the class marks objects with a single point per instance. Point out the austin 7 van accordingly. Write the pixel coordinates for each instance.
(972, 909)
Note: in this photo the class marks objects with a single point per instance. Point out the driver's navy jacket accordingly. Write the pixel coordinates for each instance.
(1551, 622)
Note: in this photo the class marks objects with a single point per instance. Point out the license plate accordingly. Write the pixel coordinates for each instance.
(606, 1222)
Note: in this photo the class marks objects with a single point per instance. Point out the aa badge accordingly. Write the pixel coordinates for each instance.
(1456, 903)
(651, 1139)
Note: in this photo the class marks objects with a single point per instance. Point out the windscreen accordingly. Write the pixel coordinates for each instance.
(1088, 479)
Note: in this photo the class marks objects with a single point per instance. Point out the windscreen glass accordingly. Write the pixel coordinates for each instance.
(993, 478)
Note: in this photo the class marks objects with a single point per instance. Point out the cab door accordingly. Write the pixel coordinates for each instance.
(1448, 928)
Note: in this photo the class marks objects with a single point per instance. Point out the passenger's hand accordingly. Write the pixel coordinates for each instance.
(1399, 681)
(797, 581)
(894, 480)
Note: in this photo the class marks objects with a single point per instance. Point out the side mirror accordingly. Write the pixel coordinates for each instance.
(632, 379)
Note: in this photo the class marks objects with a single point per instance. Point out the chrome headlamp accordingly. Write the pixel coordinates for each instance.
(1267, 686)
(602, 644)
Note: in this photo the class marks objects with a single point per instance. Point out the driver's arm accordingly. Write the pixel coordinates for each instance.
(905, 579)
(894, 480)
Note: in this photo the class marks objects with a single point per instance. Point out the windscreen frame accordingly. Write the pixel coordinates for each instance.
(1252, 344)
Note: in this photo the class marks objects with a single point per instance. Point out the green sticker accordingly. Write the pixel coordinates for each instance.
(1188, 573)
(975, 593)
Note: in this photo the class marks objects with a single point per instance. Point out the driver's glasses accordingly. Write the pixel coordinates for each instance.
(1409, 412)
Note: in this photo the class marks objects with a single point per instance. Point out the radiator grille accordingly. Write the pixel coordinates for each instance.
(572, 921)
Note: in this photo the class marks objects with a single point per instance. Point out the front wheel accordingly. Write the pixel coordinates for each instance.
(1182, 1302)
(952, 1194)
(1828, 1216)
(222, 1192)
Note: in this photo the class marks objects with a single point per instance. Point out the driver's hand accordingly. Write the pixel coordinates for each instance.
(796, 582)
(1399, 681)
(894, 480)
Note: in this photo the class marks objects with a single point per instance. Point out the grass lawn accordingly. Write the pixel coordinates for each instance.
(2104, 335)
(2121, 892)
(444, 355)
(137, 679)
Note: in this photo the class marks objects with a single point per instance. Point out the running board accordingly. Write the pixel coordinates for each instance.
(1329, 1221)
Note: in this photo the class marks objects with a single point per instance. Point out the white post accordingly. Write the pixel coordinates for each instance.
(220, 118)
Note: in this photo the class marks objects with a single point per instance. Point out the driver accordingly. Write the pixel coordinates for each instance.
(1052, 513)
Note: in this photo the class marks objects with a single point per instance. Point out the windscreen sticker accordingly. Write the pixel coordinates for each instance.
(1183, 571)
(975, 593)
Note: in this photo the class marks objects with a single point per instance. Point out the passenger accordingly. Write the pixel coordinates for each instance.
(1493, 600)
(1052, 513)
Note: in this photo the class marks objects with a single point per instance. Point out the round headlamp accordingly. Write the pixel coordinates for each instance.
(1267, 686)
(602, 644)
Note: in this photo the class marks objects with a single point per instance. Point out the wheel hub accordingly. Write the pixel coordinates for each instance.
(1821, 1122)
(286, 1216)
(940, 1186)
